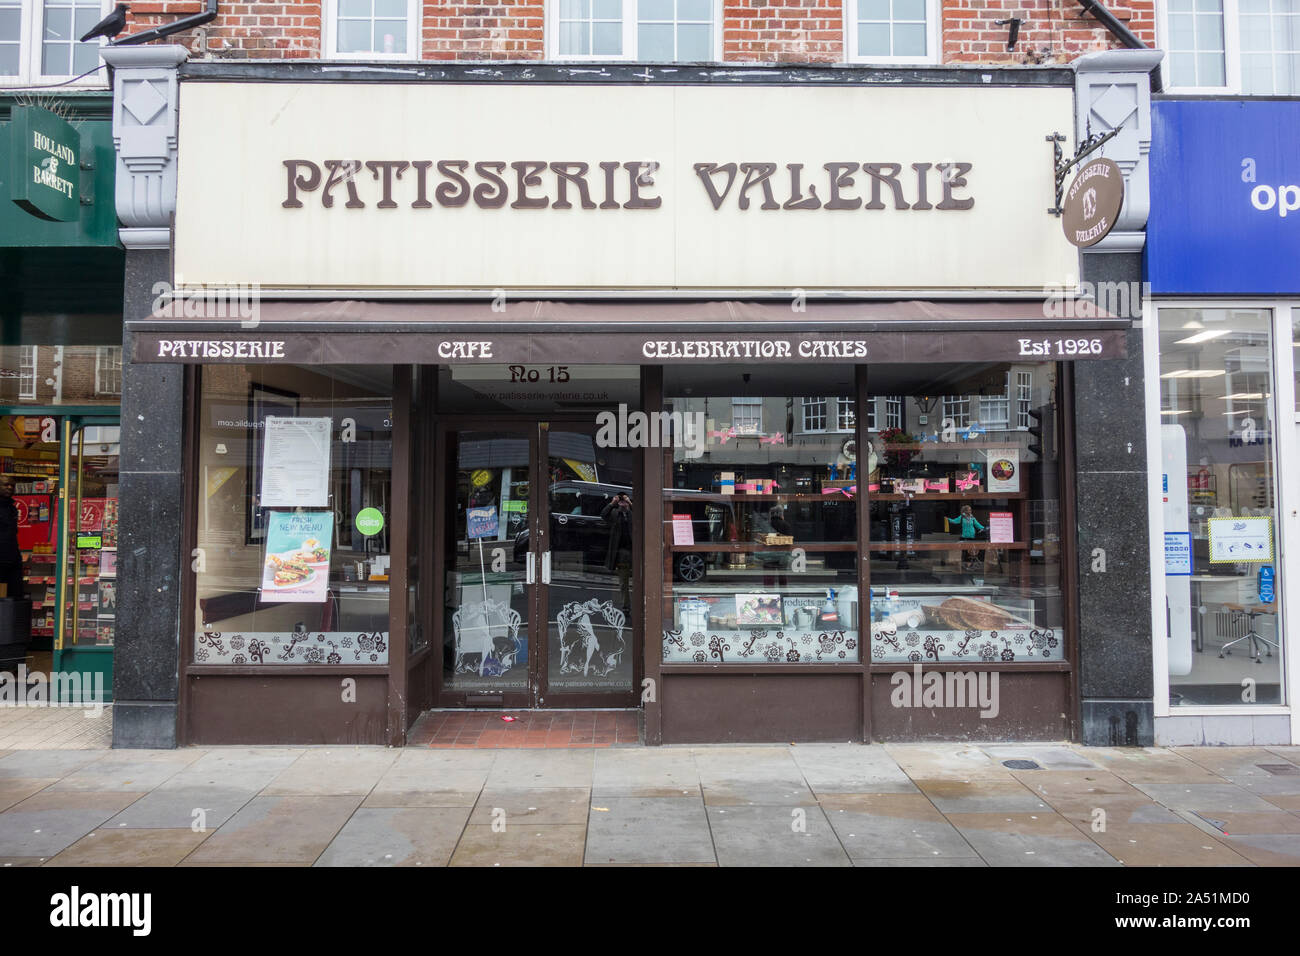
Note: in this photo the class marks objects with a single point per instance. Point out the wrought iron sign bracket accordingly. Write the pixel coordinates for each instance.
(1062, 166)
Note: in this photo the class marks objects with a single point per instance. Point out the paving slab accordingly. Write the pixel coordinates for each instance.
(333, 772)
(538, 845)
(527, 807)
(851, 768)
(1227, 761)
(432, 778)
(1007, 795)
(893, 825)
(45, 763)
(946, 761)
(1283, 801)
(49, 822)
(130, 848)
(931, 861)
(1149, 765)
(650, 830)
(1205, 797)
(1163, 844)
(1047, 756)
(282, 828)
(16, 789)
(1228, 823)
(21, 861)
(645, 772)
(127, 771)
(1024, 839)
(249, 768)
(1267, 849)
(524, 769)
(209, 807)
(774, 836)
(406, 836)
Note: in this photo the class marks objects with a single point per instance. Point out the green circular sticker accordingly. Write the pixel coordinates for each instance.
(370, 521)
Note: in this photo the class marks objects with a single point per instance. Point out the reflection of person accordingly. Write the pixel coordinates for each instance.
(776, 518)
(969, 523)
(11, 559)
(618, 515)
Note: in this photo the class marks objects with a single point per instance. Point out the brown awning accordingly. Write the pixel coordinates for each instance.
(623, 332)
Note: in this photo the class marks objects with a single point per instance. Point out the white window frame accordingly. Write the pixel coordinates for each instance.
(842, 405)
(893, 411)
(103, 355)
(552, 34)
(330, 36)
(747, 402)
(1004, 398)
(955, 400)
(933, 37)
(1231, 52)
(806, 403)
(1287, 505)
(24, 353)
(1024, 400)
(31, 29)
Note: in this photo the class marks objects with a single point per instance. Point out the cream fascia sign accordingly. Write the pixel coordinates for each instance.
(429, 187)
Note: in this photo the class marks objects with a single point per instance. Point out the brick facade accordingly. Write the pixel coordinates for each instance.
(753, 31)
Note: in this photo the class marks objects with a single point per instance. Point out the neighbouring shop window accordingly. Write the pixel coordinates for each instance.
(294, 514)
(39, 40)
(651, 31)
(373, 28)
(1222, 570)
(814, 414)
(759, 524)
(965, 544)
(60, 374)
(1258, 53)
(892, 30)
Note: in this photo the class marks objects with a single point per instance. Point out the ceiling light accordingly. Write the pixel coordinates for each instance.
(1179, 411)
(1241, 396)
(1203, 336)
(1194, 373)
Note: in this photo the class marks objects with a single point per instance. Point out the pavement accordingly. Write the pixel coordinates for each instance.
(805, 805)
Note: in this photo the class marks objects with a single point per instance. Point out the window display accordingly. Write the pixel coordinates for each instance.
(292, 556)
(760, 519)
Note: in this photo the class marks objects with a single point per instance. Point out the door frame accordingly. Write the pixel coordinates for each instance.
(536, 427)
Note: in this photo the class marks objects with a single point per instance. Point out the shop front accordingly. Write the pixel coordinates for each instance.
(1222, 387)
(771, 439)
(61, 276)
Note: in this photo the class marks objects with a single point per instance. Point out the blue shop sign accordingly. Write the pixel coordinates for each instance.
(1225, 197)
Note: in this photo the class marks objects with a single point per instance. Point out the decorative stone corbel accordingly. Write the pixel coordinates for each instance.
(145, 109)
(1113, 89)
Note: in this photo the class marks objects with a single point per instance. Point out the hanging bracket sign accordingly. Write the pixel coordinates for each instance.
(44, 164)
(1092, 203)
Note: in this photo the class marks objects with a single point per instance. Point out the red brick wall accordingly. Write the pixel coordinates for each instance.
(754, 31)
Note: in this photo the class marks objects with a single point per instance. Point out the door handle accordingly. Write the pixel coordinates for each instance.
(530, 569)
(546, 567)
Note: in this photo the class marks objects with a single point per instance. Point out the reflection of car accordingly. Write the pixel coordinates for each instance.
(576, 526)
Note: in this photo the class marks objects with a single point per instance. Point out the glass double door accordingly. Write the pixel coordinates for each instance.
(540, 565)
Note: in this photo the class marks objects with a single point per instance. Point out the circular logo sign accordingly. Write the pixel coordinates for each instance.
(370, 521)
(1092, 203)
(480, 478)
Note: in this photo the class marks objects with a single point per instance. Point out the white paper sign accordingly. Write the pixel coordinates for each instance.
(1004, 469)
(683, 530)
(1001, 527)
(295, 462)
(1247, 539)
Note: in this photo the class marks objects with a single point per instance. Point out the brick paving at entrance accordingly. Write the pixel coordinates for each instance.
(551, 729)
(878, 805)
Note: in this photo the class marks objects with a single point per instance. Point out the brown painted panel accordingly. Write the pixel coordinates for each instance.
(282, 709)
(1029, 707)
(761, 708)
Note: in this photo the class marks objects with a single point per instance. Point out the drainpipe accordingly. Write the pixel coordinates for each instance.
(1111, 23)
(177, 26)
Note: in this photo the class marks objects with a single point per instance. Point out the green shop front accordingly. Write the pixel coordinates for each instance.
(61, 282)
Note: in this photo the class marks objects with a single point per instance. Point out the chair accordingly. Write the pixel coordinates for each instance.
(1250, 613)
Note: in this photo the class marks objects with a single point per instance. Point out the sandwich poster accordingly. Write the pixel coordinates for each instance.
(297, 565)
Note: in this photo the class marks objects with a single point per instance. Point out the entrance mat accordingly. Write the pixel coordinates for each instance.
(531, 729)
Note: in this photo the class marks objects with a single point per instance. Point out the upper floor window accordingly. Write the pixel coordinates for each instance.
(995, 409)
(108, 370)
(747, 416)
(1246, 46)
(653, 31)
(892, 31)
(814, 414)
(27, 372)
(39, 42)
(957, 408)
(373, 29)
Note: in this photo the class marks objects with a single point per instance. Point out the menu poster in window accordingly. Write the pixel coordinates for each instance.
(1178, 554)
(1004, 469)
(683, 530)
(759, 610)
(481, 522)
(1001, 527)
(295, 462)
(108, 564)
(297, 564)
(1245, 539)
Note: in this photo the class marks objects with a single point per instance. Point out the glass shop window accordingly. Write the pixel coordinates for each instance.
(964, 538)
(1218, 434)
(760, 521)
(295, 509)
(61, 374)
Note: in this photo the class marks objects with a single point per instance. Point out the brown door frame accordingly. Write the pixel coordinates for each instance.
(536, 429)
